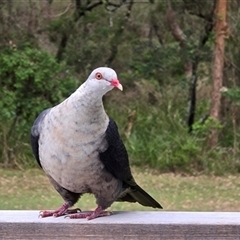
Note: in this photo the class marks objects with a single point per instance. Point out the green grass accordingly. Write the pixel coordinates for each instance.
(31, 190)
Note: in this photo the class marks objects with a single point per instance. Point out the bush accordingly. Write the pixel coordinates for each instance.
(158, 137)
(31, 80)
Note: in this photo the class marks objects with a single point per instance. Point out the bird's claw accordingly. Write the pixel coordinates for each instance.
(89, 215)
(45, 213)
(58, 213)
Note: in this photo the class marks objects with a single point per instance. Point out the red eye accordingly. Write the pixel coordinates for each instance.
(98, 76)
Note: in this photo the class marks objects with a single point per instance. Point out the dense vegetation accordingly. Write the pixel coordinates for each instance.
(163, 52)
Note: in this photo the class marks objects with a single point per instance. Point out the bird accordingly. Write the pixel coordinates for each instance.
(79, 148)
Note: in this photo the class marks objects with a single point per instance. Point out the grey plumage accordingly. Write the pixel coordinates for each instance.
(80, 150)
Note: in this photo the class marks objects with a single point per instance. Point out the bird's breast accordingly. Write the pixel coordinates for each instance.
(69, 153)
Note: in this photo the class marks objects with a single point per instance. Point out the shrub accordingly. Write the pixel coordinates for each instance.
(31, 80)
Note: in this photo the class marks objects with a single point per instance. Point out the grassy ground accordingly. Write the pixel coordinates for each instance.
(31, 190)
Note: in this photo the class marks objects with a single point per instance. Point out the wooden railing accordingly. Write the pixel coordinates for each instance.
(122, 225)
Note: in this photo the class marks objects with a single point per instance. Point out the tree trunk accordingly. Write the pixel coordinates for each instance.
(190, 64)
(218, 63)
(190, 68)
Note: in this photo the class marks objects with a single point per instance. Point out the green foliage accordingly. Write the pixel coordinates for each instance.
(203, 128)
(150, 61)
(31, 80)
(233, 94)
(160, 140)
(150, 66)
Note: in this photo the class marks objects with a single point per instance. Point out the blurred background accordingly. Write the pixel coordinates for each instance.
(178, 61)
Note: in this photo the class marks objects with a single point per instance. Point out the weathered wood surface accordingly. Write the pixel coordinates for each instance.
(122, 225)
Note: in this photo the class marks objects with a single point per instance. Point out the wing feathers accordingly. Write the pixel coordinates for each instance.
(35, 133)
(115, 159)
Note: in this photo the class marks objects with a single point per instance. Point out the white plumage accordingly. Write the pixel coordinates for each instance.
(80, 150)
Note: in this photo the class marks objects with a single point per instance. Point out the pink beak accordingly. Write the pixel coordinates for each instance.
(117, 84)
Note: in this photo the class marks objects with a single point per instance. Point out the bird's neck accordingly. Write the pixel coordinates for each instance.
(88, 98)
(88, 104)
(82, 113)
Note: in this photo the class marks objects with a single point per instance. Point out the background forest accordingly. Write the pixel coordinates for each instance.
(178, 61)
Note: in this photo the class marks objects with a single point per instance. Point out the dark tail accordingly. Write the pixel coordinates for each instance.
(137, 194)
(144, 198)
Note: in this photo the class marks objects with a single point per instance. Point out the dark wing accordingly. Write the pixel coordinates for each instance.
(115, 159)
(35, 133)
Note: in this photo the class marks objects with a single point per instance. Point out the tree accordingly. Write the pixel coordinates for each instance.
(218, 63)
(191, 51)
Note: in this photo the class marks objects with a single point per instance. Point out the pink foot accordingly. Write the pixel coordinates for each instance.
(63, 210)
(98, 212)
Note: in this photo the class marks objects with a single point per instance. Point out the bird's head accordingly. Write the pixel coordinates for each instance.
(103, 79)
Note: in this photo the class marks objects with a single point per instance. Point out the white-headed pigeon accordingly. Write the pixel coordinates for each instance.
(79, 148)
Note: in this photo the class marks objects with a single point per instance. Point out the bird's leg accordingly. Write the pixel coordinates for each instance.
(59, 212)
(98, 212)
